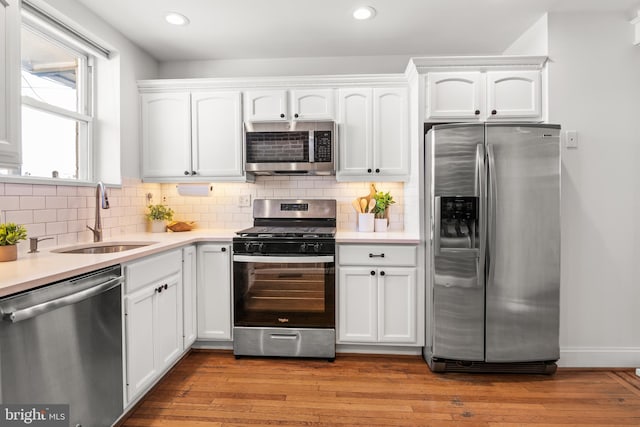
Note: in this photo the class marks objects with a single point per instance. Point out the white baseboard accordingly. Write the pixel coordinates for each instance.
(599, 357)
(378, 349)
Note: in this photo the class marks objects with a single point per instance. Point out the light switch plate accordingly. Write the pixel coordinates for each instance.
(571, 139)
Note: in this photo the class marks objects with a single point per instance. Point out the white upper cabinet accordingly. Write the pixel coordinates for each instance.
(514, 95)
(373, 133)
(216, 132)
(313, 104)
(471, 96)
(284, 105)
(166, 134)
(192, 136)
(390, 132)
(9, 84)
(265, 105)
(454, 95)
(355, 132)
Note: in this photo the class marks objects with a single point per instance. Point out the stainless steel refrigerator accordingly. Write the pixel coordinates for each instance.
(494, 210)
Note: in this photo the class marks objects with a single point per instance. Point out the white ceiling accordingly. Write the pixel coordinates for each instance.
(233, 29)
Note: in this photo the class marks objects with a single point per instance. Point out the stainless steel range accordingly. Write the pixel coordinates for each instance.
(284, 280)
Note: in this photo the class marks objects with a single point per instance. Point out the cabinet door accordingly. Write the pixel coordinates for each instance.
(397, 305)
(214, 292)
(10, 152)
(313, 104)
(166, 135)
(355, 133)
(140, 331)
(390, 132)
(216, 134)
(514, 95)
(190, 320)
(168, 321)
(454, 96)
(265, 105)
(357, 305)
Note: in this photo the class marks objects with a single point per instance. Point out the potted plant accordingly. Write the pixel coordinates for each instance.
(10, 235)
(381, 210)
(158, 216)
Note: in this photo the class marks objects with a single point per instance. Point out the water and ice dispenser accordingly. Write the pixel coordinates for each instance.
(456, 224)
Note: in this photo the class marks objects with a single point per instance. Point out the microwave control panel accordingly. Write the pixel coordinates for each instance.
(322, 142)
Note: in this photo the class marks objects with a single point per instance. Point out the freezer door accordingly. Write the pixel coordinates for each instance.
(457, 265)
(523, 280)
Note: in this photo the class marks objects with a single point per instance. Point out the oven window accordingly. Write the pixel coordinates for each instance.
(284, 294)
(277, 147)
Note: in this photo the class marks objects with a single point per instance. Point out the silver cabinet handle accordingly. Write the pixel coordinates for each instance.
(36, 310)
(376, 255)
(281, 259)
(290, 337)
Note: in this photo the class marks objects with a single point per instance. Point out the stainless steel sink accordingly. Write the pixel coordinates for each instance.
(102, 247)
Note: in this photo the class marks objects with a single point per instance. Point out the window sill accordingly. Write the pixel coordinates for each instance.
(51, 181)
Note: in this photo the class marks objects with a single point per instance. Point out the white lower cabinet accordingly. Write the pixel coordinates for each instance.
(378, 302)
(214, 292)
(153, 319)
(189, 272)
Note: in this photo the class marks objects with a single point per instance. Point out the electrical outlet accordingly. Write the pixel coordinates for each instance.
(244, 200)
(571, 139)
(164, 199)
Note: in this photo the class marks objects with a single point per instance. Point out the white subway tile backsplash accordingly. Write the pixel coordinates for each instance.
(18, 189)
(56, 227)
(64, 212)
(8, 203)
(32, 202)
(56, 202)
(20, 216)
(44, 190)
(45, 215)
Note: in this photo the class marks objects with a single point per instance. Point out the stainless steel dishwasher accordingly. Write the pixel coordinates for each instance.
(62, 344)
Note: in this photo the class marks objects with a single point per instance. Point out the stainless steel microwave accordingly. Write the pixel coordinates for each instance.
(290, 148)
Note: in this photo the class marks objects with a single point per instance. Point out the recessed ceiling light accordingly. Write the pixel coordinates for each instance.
(365, 12)
(175, 18)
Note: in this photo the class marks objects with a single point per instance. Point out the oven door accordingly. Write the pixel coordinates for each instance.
(284, 291)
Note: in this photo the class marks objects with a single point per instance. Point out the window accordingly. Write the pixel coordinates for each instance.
(56, 107)
(56, 103)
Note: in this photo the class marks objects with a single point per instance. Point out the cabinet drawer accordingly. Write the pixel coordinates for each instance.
(147, 270)
(378, 255)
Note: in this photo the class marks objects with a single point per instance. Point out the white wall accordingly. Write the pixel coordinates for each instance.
(118, 130)
(594, 86)
(284, 67)
(534, 41)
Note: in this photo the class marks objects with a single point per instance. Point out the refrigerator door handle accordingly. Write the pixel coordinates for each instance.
(481, 185)
(436, 226)
(491, 211)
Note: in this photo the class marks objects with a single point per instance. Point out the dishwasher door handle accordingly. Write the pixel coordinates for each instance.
(36, 310)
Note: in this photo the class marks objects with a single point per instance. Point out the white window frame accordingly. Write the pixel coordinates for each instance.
(84, 86)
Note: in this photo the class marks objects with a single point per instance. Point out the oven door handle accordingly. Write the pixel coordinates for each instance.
(280, 259)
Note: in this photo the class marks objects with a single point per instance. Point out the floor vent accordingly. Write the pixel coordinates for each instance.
(445, 365)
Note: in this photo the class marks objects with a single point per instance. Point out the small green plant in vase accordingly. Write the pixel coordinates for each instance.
(158, 216)
(381, 210)
(10, 235)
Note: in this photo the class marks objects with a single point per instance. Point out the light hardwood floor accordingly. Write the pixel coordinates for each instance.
(212, 388)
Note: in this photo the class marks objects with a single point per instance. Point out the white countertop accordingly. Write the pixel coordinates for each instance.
(33, 270)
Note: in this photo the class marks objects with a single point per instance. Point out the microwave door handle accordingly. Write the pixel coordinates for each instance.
(312, 147)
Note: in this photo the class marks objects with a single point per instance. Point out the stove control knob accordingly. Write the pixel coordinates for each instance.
(248, 247)
(316, 247)
(303, 248)
(261, 248)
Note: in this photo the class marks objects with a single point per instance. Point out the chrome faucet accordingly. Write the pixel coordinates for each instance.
(101, 202)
